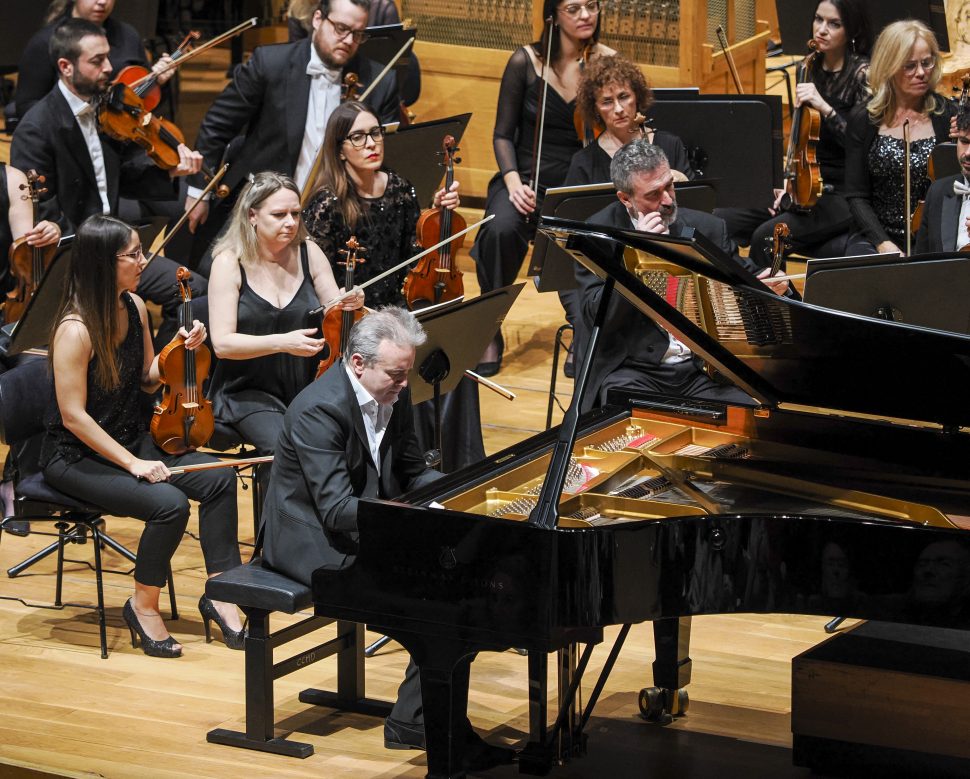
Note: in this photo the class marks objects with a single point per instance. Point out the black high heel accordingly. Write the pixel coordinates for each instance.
(235, 639)
(149, 646)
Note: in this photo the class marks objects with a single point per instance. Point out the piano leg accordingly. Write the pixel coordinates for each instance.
(671, 672)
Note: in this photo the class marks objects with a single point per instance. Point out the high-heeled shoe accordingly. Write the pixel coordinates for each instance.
(166, 648)
(235, 639)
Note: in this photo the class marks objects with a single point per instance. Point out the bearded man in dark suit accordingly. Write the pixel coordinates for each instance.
(633, 351)
(946, 212)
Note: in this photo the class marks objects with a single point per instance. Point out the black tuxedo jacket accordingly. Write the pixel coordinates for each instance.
(941, 218)
(322, 466)
(266, 101)
(49, 140)
(627, 334)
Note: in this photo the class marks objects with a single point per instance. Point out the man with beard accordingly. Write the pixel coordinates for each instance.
(282, 98)
(633, 351)
(946, 213)
(87, 172)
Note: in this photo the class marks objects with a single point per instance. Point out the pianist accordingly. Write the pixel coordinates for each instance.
(633, 351)
(946, 212)
(347, 436)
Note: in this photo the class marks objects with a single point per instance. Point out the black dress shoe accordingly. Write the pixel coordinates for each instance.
(569, 368)
(480, 755)
(403, 735)
(17, 527)
(488, 369)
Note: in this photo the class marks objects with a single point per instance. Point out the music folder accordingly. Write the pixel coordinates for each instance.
(414, 153)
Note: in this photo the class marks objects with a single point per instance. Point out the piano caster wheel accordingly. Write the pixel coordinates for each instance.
(662, 705)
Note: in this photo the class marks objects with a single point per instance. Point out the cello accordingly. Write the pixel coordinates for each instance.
(27, 263)
(803, 175)
(337, 321)
(183, 419)
(436, 277)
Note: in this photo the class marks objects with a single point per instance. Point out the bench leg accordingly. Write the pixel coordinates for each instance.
(351, 693)
(260, 717)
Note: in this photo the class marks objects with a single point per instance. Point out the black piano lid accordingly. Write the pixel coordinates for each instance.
(804, 355)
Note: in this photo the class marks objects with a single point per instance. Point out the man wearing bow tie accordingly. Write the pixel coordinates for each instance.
(282, 98)
(946, 212)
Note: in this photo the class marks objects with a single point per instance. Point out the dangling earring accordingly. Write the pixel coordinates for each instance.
(852, 45)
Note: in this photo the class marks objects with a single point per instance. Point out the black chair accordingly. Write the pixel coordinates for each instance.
(225, 438)
(25, 391)
(21, 19)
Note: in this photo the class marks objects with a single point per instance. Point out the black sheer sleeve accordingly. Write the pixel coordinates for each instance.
(508, 118)
(326, 225)
(853, 93)
(859, 135)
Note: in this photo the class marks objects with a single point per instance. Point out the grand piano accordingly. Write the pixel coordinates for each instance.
(832, 494)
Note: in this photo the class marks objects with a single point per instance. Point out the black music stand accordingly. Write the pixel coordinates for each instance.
(944, 160)
(932, 290)
(385, 41)
(457, 336)
(34, 328)
(795, 20)
(551, 266)
(411, 152)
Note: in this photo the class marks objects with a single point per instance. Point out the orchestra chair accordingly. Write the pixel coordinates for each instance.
(229, 444)
(25, 392)
(20, 21)
(557, 347)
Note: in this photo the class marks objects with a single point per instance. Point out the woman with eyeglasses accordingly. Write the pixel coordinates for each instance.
(266, 277)
(358, 196)
(514, 194)
(98, 448)
(905, 69)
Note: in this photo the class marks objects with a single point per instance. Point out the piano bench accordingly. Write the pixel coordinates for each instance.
(259, 591)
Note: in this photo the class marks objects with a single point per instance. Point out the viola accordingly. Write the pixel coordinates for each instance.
(144, 82)
(585, 132)
(803, 175)
(337, 321)
(436, 277)
(183, 420)
(27, 263)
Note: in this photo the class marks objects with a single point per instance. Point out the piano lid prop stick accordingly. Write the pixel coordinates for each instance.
(241, 463)
(406, 262)
(497, 388)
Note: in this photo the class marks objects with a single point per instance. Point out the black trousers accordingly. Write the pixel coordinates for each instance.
(811, 231)
(262, 430)
(502, 243)
(408, 707)
(163, 506)
(682, 378)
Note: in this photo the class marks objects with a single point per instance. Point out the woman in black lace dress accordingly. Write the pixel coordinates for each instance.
(97, 446)
(906, 67)
(513, 195)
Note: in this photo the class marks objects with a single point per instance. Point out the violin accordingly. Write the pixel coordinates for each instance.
(584, 131)
(144, 82)
(350, 87)
(337, 321)
(27, 263)
(436, 277)
(803, 175)
(183, 419)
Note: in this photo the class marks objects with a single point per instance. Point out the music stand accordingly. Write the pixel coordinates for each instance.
(385, 41)
(457, 337)
(33, 330)
(943, 160)
(795, 20)
(411, 152)
(928, 291)
(551, 266)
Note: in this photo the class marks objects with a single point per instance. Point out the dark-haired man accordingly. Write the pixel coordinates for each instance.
(946, 212)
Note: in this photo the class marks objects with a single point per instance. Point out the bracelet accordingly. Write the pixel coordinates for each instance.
(830, 114)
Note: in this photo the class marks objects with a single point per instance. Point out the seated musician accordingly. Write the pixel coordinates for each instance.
(946, 213)
(286, 93)
(266, 276)
(633, 351)
(87, 172)
(347, 436)
(97, 447)
(906, 67)
(38, 72)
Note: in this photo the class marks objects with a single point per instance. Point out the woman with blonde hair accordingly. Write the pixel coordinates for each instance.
(903, 73)
(266, 277)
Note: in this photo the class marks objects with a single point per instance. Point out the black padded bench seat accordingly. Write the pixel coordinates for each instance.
(259, 591)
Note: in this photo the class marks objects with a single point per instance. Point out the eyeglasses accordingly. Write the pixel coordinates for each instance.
(342, 31)
(927, 64)
(132, 256)
(574, 9)
(359, 139)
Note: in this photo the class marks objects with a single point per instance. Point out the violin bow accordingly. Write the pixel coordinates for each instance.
(176, 63)
(722, 39)
(406, 262)
(158, 245)
(240, 463)
(541, 124)
(307, 191)
(908, 192)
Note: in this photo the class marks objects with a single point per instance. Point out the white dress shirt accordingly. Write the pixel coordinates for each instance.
(324, 99)
(84, 116)
(376, 416)
(963, 238)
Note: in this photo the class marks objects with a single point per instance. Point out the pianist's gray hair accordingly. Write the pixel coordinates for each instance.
(634, 158)
(389, 323)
